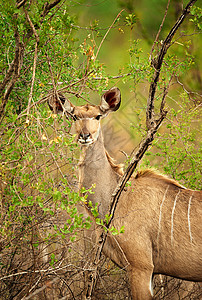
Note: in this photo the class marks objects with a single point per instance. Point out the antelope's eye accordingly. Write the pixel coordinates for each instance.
(98, 117)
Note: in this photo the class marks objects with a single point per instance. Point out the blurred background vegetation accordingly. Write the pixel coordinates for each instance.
(83, 48)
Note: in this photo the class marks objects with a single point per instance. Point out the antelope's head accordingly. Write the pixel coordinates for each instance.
(87, 117)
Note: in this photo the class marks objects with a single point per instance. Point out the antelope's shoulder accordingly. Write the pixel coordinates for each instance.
(153, 175)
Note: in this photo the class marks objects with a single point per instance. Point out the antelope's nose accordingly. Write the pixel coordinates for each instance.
(84, 136)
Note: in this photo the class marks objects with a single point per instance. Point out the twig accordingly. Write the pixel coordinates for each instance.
(35, 58)
(33, 79)
(21, 3)
(48, 270)
(107, 33)
(165, 92)
(99, 78)
(38, 290)
(160, 28)
(55, 93)
(31, 25)
(51, 73)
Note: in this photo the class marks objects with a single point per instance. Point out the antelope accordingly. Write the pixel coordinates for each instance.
(161, 218)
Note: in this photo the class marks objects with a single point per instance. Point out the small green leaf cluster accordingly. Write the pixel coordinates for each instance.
(196, 12)
(112, 229)
(94, 209)
(131, 20)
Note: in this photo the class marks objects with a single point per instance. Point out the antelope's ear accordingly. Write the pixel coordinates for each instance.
(111, 100)
(60, 105)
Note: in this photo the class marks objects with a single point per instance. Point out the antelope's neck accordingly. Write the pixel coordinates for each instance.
(95, 169)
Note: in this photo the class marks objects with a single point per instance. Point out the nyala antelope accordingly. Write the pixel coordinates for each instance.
(162, 219)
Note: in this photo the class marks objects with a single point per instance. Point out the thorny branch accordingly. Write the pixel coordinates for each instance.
(152, 127)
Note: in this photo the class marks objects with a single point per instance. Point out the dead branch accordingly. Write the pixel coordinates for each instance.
(152, 127)
(48, 7)
(20, 3)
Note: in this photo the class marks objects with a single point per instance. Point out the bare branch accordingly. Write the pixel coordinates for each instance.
(165, 92)
(31, 25)
(7, 76)
(158, 63)
(33, 79)
(20, 3)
